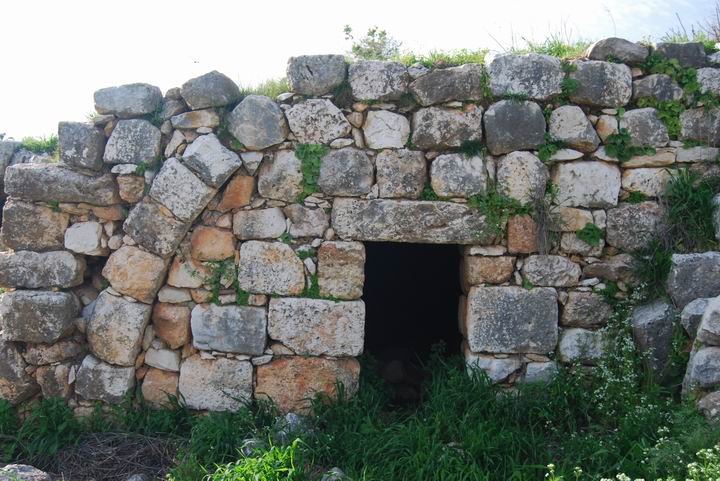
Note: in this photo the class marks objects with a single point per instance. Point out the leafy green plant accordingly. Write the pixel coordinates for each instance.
(689, 205)
(620, 146)
(286, 238)
(550, 147)
(310, 156)
(668, 111)
(635, 197)
(498, 208)
(279, 463)
(471, 148)
(568, 85)
(652, 266)
(376, 44)
(41, 145)
(591, 234)
(428, 193)
(515, 97)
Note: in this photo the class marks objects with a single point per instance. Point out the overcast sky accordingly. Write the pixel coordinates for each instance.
(56, 53)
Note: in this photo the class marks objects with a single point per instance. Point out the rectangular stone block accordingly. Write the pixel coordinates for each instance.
(157, 231)
(37, 316)
(41, 270)
(511, 320)
(27, 226)
(428, 222)
(237, 329)
(100, 381)
(180, 190)
(341, 269)
(318, 327)
(216, 384)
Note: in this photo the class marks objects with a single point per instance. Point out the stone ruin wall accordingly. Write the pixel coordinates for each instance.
(179, 246)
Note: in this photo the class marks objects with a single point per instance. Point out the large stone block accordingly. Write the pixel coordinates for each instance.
(316, 327)
(216, 384)
(181, 191)
(291, 382)
(533, 76)
(443, 128)
(258, 123)
(618, 49)
(212, 89)
(514, 125)
(581, 346)
(551, 270)
(346, 172)
(259, 223)
(62, 350)
(16, 385)
(386, 130)
(154, 227)
(37, 316)
(476, 270)
(587, 184)
(653, 326)
(317, 121)
(632, 226)
(693, 276)
(86, 238)
(81, 145)
(522, 176)
(315, 74)
(457, 175)
(135, 273)
(195, 119)
(601, 84)
(650, 182)
(210, 160)
(306, 221)
(709, 80)
(270, 268)
(100, 381)
(237, 329)
(115, 330)
(700, 125)
(33, 227)
(341, 269)
(692, 314)
(657, 86)
(446, 84)
(212, 244)
(377, 80)
(570, 125)
(709, 328)
(35, 270)
(688, 55)
(133, 142)
(130, 100)
(511, 320)
(400, 173)
(281, 178)
(645, 127)
(53, 380)
(703, 369)
(409, 221)
(56, 183)
(496, 369)
(158, 386)
(585, 309)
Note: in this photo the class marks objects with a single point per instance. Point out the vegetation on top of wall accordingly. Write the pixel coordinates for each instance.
(557, 44)
(269, 88)
(310, 155)
(376, 44)
(41, 145)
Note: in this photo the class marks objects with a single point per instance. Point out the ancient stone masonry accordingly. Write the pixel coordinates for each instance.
(208, 245)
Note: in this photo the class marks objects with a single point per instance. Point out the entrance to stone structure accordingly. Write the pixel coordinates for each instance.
(411, 298)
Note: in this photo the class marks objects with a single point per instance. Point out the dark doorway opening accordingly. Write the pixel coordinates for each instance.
(411, 298)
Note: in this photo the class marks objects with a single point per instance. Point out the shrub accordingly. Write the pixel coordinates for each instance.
(688, 200)
(41, 145)
(276, 464)
(498, 208)
(652, 266)
(270, 88)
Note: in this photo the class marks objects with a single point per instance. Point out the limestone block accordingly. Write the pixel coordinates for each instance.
(456, 175)
(346, 172)
(551, 270)
(212, 89)
(178, 189)
(633, 226)
(317, 121)
(270, 268)
(236, 329)
(135, 273)
(315, 74)
(384, 129)
(172, 324)
(41, 270)
(514, 125)
(587, 184)
(443, 128)
(57, 183)
(215, 384)
(134, 141)
(377, 80)
(693, 276)
(81, 145)
(601, 84)
(37, 316)
(100, 381)
(259, 223)
(281, 177)
(126, 101)
(400, 173)
(534, 76)
(210, 160)
(341, 269)
(258, 123)
(446, 84)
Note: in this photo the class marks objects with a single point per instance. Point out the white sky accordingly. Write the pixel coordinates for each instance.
(56, 53)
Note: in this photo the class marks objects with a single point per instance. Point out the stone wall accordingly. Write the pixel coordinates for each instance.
(209, 245)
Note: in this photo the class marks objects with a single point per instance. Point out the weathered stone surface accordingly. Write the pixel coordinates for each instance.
(131, 188)
(135, 273)
(384, 129)
(81, 145)
(16, 385)
(306, 222)
(377, 80)
(522, 176)
(270, 268)
(703, 369)
(158, 386)
(62, 350)
(186, 272)
(86, 238)
(644, 127)
(601, 84)
(134, 141)
(56, 183)
(709, 405)
(570, 243)
(34, 270)
(651, 182)
(476, 270)
(315, 74)
(212, 89)
(697, 124)
(155, 230)
(178, 189)
(53, 380)
(570, 125)
(692, 314)
(585, 309)
(496, 369)
(570, 219)
(400, 173)
(657, 86)
(615, 268)
(445, 84)
(661, 158)
(540, 372)
(32, 227)
(532, 75)
(196, 119)
(237, 329)
(237, 193)
(172, 324)
(281, 177)
(522, 235)
(100, 381)
(346, 172)
(210, 160)
(709, 80)
(257, 122)
(697, 154)
(116, 328)
(37, 316)
(691, 54)
(317, 121)
(217, 385)
(632, 226)
(409, 221)
(514, 125)
(174, 295)
(456, 175)
(22, 472)
(581, 345)
(551, 270)
(125, 101)
(693, 276)
(316, 327)
(341, 269)
(511, 320)
(587, 184)
(442, 128)
(716, 215)
(709, 329)
(291, 382)
(618, 49)
(259, 223)
(212, 244)
(653, 325)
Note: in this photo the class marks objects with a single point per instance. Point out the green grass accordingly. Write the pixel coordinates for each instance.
(619, 146)
(652, 266)
(41, 145)
(682, 36)
(591, 234)
(279, 463)
(556, 45)
(635, 197)
(498, 208)
(444, 58)
(310, 155)
(270, 88)
(471, 148)
(688, 199)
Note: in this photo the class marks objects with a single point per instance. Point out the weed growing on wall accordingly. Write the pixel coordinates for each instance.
(550, 147)
(688, 201)
(428, 193)
(269, 88)
(591, 234)
(568, 85)
(310, 155)
(220, 273)
(668, 111)
(619, 146)
(636, 197)
(41, 145)
(471, 148)
(652, 266)
(498, 208)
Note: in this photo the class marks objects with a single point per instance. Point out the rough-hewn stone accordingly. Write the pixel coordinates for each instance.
(585, 309)
(196, 119)
(703, 369)
(158, 386)
(134, 141)
(237, 329)
(693, 276)
(551, 270)
(456, 175)
(131, 100)
(700, 125)
(522, 176)
(532, 75)
(86, 238)
(305, 221)
(216, 384)
(172, 324)
(56, 183)
(154, 227)
(633, 226)
(385, 130)
(581, 345)
(315, 74)
(100, 381)
(178, 189)
(514, 125)
(22, 472)
(237, 193)
(341, 269)
(650, 182)
(645, 127)
(33, 227)
(615, 268)
(317, 121)
(62, 350)
(601, 84)
(40, 270)
(657, 86)
(53, 380)
(454, 83)
(522, 235)
(257, 122)
(280, 177)
(692, 314)
(212, 244)
(346, 172)
(476, 270)
(81, 145)
(570, 125)
(259, 223)
(210, 160)
(709, 329)
(400, 173)
(496, 369)
(212, 89)
(587, 184)
(16, 385)
(619, 50)
(443, 128)
(690, 54)
(37, 316)
(270, 268)
(377, 80)
(653, 326)
(136, 273)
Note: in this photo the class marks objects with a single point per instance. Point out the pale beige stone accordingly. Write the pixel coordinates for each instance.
(477, 270)
(172, 324)
(135, 273)
(212, 244)
(158, 385)
(341, 269)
